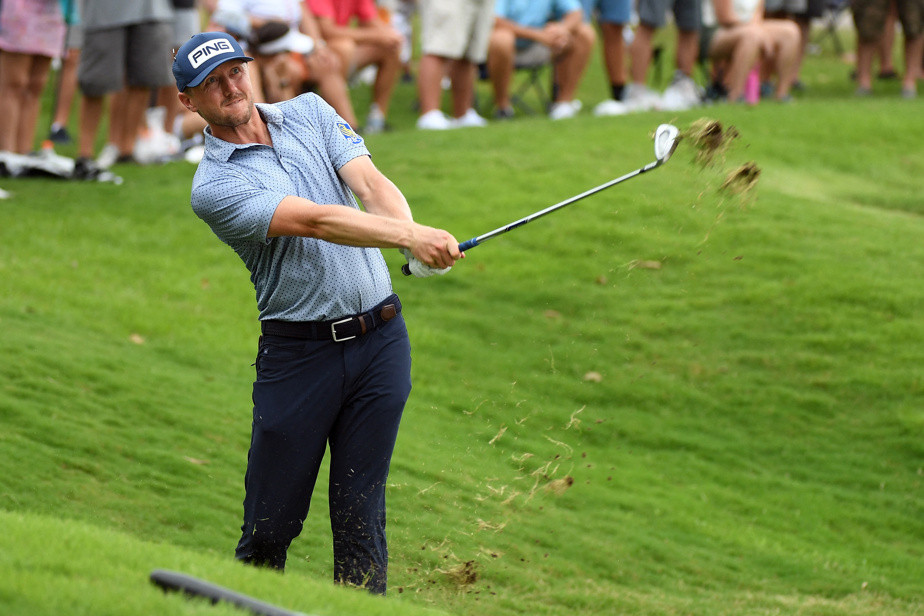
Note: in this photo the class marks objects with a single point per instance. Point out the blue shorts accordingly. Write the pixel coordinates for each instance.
(608, 11)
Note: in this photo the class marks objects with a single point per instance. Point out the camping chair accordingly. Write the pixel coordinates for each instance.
(833, 15)
(535, 81)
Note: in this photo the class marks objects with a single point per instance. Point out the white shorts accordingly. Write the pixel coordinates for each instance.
(456, 29)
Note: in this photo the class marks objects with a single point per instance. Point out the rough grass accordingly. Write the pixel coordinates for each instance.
(661, 400)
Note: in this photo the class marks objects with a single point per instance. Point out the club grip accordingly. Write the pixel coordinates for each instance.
(468, 244)
(406, 269)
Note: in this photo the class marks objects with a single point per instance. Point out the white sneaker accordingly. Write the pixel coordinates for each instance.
(611, 107)
(682, 94)
(564, 110)
(375, 121)
(639, 97)
(107, 156)
(434, 120)
(4, 194)
(469, 119)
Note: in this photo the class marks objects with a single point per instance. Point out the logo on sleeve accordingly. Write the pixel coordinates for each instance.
(348, 133)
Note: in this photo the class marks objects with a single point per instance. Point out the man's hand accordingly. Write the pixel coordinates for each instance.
(434, 248)
(556, 37)
(420, 270)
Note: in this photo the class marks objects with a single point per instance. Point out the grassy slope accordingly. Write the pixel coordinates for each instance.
(752, 444)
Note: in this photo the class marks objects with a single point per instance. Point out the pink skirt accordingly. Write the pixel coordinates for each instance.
(34, 27)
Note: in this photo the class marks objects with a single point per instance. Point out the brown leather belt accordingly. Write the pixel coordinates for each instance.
(337, 330)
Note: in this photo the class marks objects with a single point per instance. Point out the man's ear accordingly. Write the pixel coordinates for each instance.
(186, 101)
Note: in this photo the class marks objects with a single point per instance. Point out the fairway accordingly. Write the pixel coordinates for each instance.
(666, 399)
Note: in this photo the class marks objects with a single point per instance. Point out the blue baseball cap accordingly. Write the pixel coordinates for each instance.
(201, 54)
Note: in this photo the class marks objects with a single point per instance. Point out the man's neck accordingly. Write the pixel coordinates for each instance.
(254, 131)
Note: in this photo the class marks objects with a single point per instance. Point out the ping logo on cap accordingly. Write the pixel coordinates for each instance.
(208, 50)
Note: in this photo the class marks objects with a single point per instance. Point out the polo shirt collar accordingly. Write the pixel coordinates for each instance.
(222, 150)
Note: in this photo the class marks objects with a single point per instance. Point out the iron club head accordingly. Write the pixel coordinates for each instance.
(665, 141)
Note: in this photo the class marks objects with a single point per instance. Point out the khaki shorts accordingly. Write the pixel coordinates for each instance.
(456, 29)
(138, 55)
(869, 18)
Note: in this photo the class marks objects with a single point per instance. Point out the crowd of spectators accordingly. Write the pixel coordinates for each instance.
(114, 58)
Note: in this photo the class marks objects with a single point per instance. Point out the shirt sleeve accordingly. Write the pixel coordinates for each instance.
(322, 8)
(366, 10)
(236, 209)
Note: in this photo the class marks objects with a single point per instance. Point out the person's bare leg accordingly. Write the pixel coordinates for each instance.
(32, 103)
(569, 70)
(131, 119)
(914, 50)
(687, 51)
(640, 53)
(429, 75)
(14, 75)
(500, 66)
(614, 53)
(462, 75)
(91, 114)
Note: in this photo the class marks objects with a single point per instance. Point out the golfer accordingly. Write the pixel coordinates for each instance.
(334, 359)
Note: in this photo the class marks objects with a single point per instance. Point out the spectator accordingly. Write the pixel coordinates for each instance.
(31, 34)
(67, 77)
(277, 184)
(126, 50)
(802, 12)
(528, 32)
(869, 18)
(289, 50)
(683, 92)
(740, 40)
(367, 42)
(454, 41)
(612, 17)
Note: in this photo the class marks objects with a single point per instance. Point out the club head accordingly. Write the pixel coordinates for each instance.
(665, 141)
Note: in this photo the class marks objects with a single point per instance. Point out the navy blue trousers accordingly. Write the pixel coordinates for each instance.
(309, 394)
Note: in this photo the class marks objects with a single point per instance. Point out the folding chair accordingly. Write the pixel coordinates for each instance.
(833, 15)
(535, 80)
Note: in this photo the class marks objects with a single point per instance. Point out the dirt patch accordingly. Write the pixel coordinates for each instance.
(710, 140)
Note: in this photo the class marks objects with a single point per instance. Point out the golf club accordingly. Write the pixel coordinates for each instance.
(666, 139)
(195, 587)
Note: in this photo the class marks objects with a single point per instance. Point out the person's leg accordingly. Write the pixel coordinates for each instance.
(67, 90)
(786, 39)
(388, 62)
(570, 67)
(127, 118)
(429, 75)
(14, 77)
(296, 398)
(361, 445)
(687, 51)
(887, 43)
(614, 53)
(869, 19)
(640, 53)
(38, 77)
(914, 50)
(911, 16)
(738, 49)
(501, 50)
(325, 70)
(462, 76)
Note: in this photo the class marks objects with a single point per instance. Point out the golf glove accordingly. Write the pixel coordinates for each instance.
(420, 269)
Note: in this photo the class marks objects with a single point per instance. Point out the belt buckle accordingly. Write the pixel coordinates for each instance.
(333, 330)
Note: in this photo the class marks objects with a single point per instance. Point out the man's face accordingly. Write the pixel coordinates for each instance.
(225, 96)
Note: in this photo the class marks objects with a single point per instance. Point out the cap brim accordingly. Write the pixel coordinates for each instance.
(210, 66)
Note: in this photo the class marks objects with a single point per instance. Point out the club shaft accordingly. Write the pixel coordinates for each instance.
(475, 241)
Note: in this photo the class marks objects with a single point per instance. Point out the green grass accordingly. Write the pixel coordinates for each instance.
(742, 426)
